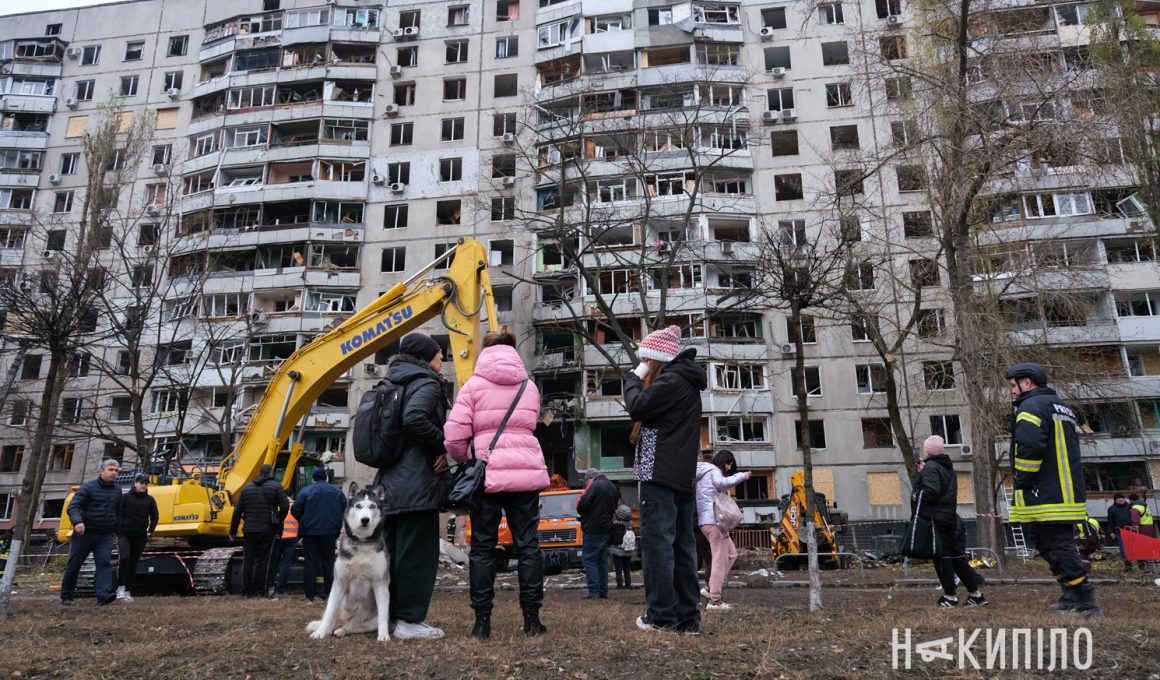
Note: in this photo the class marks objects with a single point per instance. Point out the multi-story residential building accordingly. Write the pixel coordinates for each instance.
(613, 153)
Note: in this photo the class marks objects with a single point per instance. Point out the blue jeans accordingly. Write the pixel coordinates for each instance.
(594, 555)
(101, 547)
(668, 519)
(287, 552)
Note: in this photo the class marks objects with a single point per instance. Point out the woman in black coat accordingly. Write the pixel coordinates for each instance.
(936, 497)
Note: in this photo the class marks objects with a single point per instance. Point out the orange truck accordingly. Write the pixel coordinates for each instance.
(559, 532)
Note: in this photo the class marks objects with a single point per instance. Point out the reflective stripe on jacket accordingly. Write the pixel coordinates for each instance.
(1145, 514)
(1049, 484)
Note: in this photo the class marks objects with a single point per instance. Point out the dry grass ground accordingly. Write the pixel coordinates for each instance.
(770, 634)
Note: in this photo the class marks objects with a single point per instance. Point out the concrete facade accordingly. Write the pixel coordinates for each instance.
(335, 148)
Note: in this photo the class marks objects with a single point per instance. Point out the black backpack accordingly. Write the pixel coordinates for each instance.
(378, 426)
(616, 536)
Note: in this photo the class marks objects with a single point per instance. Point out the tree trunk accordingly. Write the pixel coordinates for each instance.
(38, 455)
(803, 406)
(15, 548)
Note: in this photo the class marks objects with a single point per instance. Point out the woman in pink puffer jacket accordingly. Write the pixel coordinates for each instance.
(516, 473)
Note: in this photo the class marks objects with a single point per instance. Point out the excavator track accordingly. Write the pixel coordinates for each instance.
(211, 573)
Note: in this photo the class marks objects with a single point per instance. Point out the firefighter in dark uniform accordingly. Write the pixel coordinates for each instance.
(1049, 487)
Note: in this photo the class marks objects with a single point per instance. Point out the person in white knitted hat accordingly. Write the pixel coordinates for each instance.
(663, 394)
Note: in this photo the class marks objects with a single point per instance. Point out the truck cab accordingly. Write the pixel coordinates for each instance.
(559, 532)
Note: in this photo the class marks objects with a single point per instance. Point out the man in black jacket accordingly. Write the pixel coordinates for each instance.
(95, 513)
(669, 410)
(936, 497)
(596, 507)
(1119, 517)
(138, 520)
(260, 503)
(414, 487)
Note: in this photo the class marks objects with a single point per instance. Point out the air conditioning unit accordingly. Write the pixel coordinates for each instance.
(149, 249)
(391, 109)
(411, 31)
(726, 247)
(377, 179)
(777, 71)
(397, 32)
(153, 210)
(259, 316)
(893, 20)
(789, 114)
(173, 93)
(965, 451)
(509, 181)
(160, 169)
(787, 348)
(766, 33)
(769, 116)
(509, 138)
(70, 102)
(371, 369)
(51, 253)
(74, 53)
(397, 187)
(54, 179)
(396, 71)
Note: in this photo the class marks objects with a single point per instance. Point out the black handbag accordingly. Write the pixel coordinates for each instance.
(921, 540)
(466, 487)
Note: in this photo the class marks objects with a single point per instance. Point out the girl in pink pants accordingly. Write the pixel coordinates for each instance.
(716, 477)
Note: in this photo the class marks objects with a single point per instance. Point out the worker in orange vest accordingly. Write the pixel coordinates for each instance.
(285, 553)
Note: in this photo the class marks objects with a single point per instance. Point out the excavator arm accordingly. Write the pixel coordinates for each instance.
(460, 295)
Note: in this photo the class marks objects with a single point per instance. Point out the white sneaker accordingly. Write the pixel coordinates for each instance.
(128, 597)
(719, 605)
(122, 595)
(405, 630)
(705, 594)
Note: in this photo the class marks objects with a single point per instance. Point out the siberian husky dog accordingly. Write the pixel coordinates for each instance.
(362, 572)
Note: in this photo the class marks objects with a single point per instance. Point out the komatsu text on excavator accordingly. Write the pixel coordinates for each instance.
(198, 510)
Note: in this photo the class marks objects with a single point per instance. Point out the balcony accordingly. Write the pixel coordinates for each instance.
(28, 103)
(1139, 328)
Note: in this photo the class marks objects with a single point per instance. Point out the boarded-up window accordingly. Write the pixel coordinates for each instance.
(124, 121)
(1155, 465)
(77, 126)
(166, 119)
(824, 483)
(706, 436)
(966, 488)
(882, 488)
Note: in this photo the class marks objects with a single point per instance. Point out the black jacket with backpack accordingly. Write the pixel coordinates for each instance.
(597, 505)
(940, 489)
(411, 484)
(258, 503)
(670, 415)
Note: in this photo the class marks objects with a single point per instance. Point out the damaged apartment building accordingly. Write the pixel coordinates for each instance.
(620, 158)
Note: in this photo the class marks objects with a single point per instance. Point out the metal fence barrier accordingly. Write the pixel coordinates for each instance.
(821, 556)
(970, 551)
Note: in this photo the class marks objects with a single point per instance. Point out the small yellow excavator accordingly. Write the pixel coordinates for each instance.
(786, 539)
(198, 510)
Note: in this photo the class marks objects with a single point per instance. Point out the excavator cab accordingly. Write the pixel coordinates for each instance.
(789, 535)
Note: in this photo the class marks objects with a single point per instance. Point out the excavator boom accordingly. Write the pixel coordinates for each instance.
(460, 296)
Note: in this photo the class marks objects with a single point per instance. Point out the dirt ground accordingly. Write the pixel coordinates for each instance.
(769, 634)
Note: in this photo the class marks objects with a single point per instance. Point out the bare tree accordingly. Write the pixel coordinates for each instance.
(623, 177)
(800, 273)
(54, 306)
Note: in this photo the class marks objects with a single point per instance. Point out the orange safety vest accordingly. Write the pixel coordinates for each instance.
(289, 527)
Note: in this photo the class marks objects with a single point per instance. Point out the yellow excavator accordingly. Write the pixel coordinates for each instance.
(786, 538)
(198, 510)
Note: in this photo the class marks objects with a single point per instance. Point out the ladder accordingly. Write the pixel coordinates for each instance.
(1017, 536)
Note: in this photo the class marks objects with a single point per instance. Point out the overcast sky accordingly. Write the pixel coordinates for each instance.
(20, 6)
